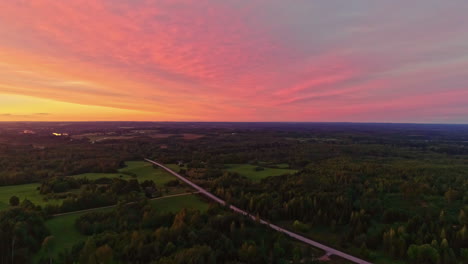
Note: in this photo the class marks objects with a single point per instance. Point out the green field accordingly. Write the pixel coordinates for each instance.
(23, 191)
(65, 235)
(142, 170)
(250, 171)
(175, 204)
(174, 167)
(63, 230)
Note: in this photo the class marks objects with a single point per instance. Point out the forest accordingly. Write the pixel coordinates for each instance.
(387, 193)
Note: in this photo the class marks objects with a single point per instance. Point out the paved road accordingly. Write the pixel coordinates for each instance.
(328, 250)
(110, 206)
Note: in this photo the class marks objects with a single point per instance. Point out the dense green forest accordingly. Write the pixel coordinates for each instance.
(139, 234)
(386, 193)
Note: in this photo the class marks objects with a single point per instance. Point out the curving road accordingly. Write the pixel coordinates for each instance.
(328, 250)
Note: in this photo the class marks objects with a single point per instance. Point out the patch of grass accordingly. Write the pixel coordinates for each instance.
(94, 176)
(142, 170)
(23, 191)
(62, 228)
(251, 171)
(282, 166)
(177, 203)
(175, 167)
(146, 171)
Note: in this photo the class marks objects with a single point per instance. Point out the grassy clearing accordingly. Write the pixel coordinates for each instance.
(145, 171)
(174, 167)
(250, 171)
(177, 203)
(142, 170)
(23, 191)
(62, 228)
(282, 166)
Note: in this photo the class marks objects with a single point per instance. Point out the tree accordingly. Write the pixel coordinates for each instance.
(169, 249)
(232, 228)
(423, 254)
(443, 234)
(447, 254)
(363, 251)
(22, 232)
(248, 251)
(463, 218)
(297, 254)
(88, 253)
(451, 195)
(464, 254)
(14, 201)
(47, 245)
(195, 255)
(442, 217)
(104, 254)
(300, 227)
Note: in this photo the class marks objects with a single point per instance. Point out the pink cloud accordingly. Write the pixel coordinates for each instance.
(228, 60)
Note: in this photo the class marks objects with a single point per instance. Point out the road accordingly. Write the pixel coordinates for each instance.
(110, 206)
(328, 250)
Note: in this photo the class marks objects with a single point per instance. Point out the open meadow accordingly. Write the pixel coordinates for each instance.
(23, 191)
(139, 170)
(257, 173)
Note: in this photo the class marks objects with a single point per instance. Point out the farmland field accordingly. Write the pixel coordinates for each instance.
(139, 170)
(251, 172)
(64, 233)
(23, 191)
(134, 169)
(175, 204)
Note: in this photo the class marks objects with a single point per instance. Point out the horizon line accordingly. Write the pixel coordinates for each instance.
(265, 122)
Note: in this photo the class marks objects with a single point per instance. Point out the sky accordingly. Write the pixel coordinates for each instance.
(234, 60)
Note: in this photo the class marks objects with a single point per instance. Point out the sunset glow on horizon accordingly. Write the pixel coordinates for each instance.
(209, 60)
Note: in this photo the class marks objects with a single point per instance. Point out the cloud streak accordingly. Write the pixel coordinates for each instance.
(236, 61)
(33, 116)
